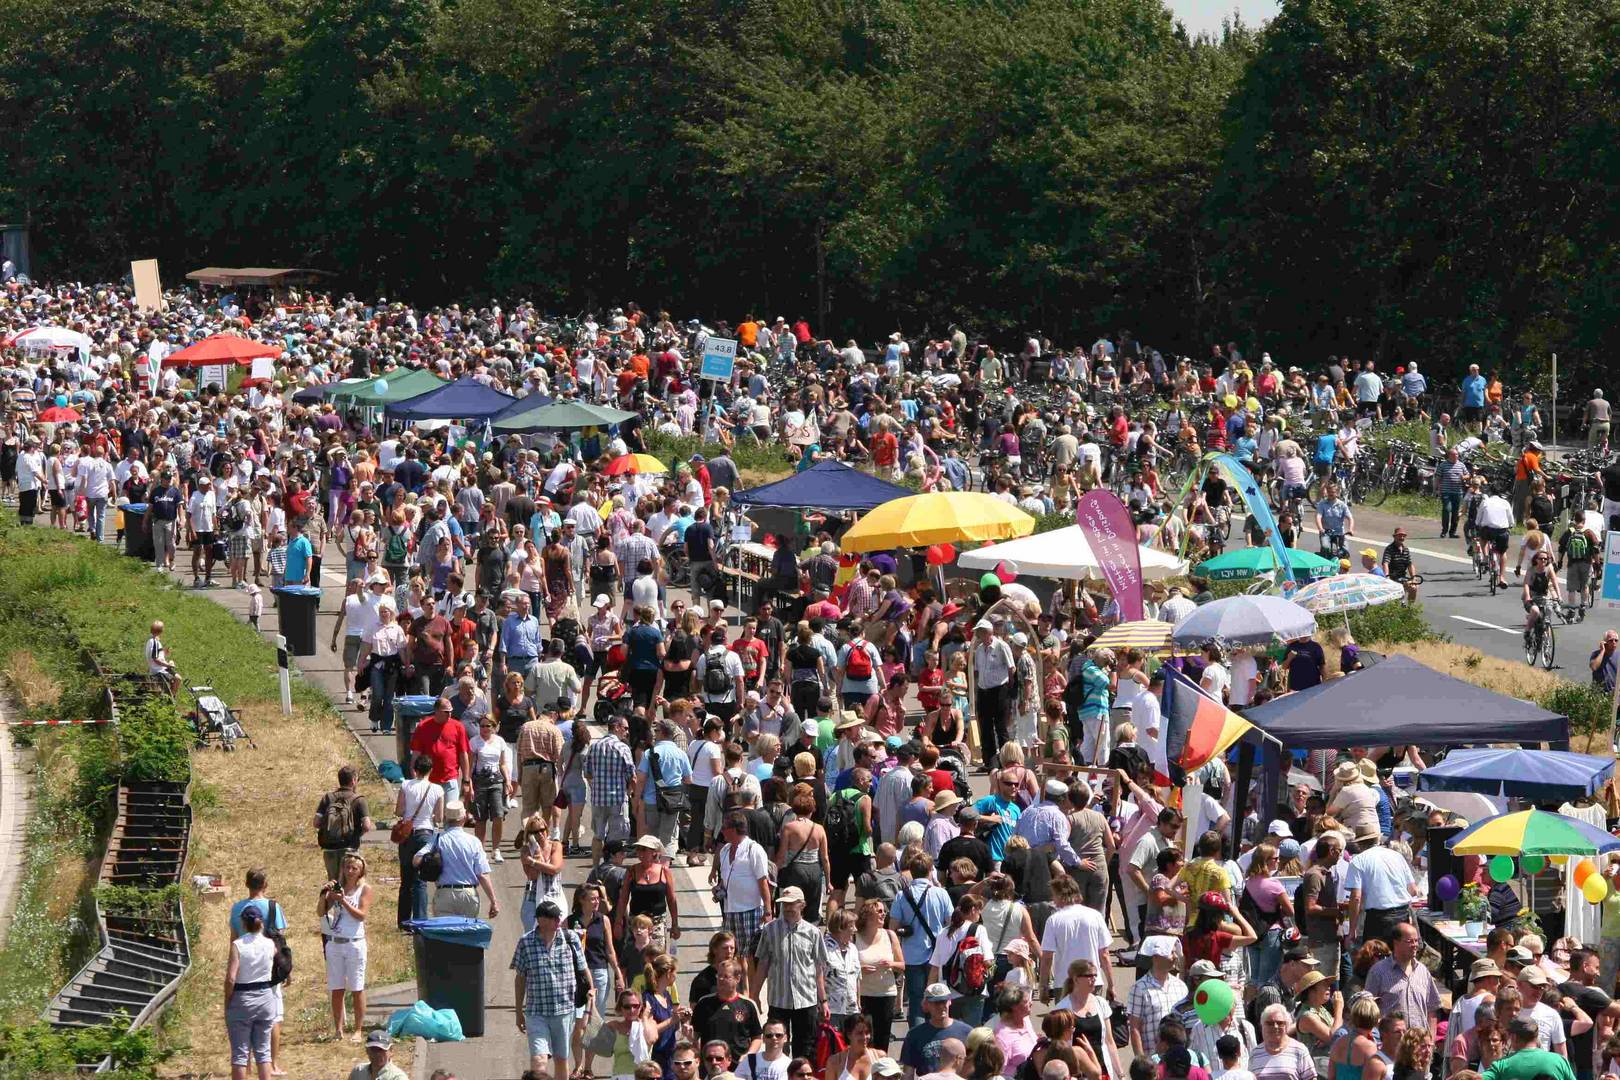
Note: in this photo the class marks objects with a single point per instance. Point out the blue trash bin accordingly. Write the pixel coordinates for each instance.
(450, 966)
(408, 709)
(298, 606)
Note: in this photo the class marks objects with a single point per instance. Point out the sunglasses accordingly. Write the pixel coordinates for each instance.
(776, 1034)
(686, 1063)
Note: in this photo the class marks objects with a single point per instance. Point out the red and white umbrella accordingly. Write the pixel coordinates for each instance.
(40, 338)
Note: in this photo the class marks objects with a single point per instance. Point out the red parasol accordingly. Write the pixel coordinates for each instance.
(221, 349)
(59, 414)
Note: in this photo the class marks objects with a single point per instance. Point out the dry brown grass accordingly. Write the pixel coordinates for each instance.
(263, 816)
(751, 478)
(1501, 676)
(29, 683)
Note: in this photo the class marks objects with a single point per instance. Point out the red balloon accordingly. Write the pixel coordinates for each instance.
(1006, 573)
(941, 555)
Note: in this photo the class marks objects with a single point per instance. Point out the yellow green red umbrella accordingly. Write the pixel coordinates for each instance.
(635, 463)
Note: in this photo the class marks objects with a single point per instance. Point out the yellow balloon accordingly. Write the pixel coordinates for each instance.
(1253, 404)
(1595, 889)
(1231, 401)
(1558, 860)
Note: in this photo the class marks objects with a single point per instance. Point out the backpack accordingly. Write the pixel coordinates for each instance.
(967, 970)
(716, 679)
(398, 550)
(281, 963)
(828, 1043)
(843, 823)
(235, 515)
(1579, 546)
(337, 822)
(858, 665)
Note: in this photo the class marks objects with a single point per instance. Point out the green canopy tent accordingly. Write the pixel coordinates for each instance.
(559, 416)
(402, 385)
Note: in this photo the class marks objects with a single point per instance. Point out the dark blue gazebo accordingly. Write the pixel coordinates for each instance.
(464, 399)
(826, 485)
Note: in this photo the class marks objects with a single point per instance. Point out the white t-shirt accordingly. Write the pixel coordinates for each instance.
(946, 943)
(741, 879)
(1244, 670)
(1547, 1021)
(488, 753)
(422, 798)
(707, 760)
(30, 470)
(1076, 932)
(755, 1067)
(358, 616)
(1216, 681)
(202, 509)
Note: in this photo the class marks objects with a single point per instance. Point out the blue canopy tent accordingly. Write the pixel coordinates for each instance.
(827, 485)
(464, 399)
(1393, 702)
(1537, 775)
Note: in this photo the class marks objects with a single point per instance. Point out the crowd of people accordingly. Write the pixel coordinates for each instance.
(816, 756)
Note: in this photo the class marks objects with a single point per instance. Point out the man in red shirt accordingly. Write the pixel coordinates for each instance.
(885, 449)
(443, 739)
(753, 654)
(822, 607)
(700, 472)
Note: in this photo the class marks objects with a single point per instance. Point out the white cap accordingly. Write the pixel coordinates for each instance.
(602, 600)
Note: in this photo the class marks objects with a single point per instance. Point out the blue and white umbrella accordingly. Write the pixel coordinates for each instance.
(1245, 620)
(1347, 592)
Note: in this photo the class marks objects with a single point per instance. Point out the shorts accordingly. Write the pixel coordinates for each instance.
(745, 927)
(346, 965)
(1496, 538)
(1579, 576)
(1321, 468)
(548, 1035)
(846, 865)
(58, 501)
(1471, 414)
(239, 546)
(352, 644)
(205, 540)
(489, 798)
(611, 822)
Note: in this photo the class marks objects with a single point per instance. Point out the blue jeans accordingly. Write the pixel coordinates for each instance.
(1265, 957)
(413, 891)
(916, 983)
(98, 511)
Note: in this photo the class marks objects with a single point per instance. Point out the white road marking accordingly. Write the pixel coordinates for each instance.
(1353, 541)
(1488, 625)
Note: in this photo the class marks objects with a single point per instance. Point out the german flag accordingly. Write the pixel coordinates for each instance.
(1197, 728)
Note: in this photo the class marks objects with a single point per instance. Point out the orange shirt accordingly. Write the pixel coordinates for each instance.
(1529, 462)
(747, 334)
(639, 364)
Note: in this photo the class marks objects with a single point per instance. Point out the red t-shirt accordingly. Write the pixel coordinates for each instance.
(753, 655)
(929, 686)
(885, 449)
(444, 741)
(1206, 947)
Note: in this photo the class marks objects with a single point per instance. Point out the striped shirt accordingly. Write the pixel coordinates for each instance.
(608, 767)
(1452, 476)
(630, 549)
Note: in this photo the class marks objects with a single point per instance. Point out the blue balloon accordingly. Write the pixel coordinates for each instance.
(61, 400)
(380, 386)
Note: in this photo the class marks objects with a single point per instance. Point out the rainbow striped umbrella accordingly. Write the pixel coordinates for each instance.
(1533, 832)
(1148, 635)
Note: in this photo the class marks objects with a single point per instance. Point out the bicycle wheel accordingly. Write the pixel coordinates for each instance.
(1222, 529)
(1532, 645)
(1379, 490)
(1549, 641)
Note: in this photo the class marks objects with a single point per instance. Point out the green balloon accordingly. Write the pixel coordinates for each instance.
(1501, 867)
(989, 581)
(1212, 1001)
(1533, 864)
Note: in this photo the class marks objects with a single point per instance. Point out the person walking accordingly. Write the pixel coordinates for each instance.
(250, 1000)
(341, 819)
(343, 907)
(549, 969)
(464, 869)
(420, 809)
(791, 967)
(609, 767)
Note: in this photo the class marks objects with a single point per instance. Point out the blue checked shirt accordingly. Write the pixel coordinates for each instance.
(520, 636)
(608, 768)
(631, 549)
(1046, 823)
(549, 972)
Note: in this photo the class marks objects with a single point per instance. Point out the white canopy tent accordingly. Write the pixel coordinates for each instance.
(1064, 554)
(42, 338)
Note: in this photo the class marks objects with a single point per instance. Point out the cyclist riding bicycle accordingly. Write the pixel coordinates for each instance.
(1492, 519)
(1327, 449)
(1540, 584)
(1334, 521)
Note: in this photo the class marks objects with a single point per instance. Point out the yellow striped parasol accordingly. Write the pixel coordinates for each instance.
(1148, 635)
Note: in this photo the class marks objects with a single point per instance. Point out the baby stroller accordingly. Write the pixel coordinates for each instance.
(214, 722)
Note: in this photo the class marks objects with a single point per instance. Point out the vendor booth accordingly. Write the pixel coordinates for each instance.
(464, 399)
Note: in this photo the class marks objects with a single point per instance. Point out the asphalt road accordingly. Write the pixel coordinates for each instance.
(1460, 605)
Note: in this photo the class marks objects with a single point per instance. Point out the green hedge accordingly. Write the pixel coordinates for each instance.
(1394, 623)
(40, 1052)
